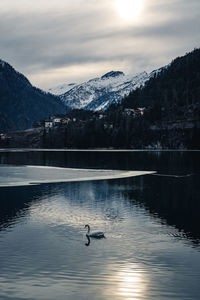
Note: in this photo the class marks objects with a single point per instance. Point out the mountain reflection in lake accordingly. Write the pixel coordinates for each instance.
(152, 229)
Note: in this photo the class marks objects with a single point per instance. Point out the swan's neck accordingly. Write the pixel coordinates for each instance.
(88, 229)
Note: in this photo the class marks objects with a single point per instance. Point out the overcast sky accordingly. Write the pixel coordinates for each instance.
(63, 41)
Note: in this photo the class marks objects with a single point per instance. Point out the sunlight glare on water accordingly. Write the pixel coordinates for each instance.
(131, 282)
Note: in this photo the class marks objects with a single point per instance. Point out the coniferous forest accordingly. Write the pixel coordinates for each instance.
(165, 113)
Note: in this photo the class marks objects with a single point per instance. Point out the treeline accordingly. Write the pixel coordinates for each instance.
(172, 94)
(120, 131)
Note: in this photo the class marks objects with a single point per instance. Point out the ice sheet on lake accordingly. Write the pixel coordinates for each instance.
(27, 175)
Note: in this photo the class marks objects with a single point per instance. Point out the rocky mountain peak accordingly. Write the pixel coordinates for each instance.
(112, 74)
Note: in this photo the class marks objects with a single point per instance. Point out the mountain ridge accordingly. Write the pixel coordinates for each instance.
(163, 114)
(22, 104)
(99, 93)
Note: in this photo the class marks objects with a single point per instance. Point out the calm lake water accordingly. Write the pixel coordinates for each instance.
(152, 227)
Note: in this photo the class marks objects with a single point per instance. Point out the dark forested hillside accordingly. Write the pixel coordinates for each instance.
(172, 94)
(164, 114)
(21, 104)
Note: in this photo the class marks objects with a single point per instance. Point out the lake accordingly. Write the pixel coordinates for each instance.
(151, 223)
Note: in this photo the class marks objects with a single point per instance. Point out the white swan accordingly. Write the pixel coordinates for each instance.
(96, 234)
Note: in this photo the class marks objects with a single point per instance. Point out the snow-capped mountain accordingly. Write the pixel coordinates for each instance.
(99, 93)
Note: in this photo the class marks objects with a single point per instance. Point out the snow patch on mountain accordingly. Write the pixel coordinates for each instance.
(62, 89)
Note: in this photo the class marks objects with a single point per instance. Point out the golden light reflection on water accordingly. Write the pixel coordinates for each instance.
(131, 282)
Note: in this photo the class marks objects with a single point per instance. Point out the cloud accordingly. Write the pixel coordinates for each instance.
(52, 42)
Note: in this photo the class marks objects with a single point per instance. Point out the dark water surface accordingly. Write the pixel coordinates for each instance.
(151, 223)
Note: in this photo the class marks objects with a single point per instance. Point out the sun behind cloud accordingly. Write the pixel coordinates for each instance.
(129, 9)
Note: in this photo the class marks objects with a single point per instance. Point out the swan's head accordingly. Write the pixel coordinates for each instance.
(88, 226)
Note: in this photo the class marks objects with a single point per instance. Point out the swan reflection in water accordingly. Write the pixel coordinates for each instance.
(88, 242)
(94, 234)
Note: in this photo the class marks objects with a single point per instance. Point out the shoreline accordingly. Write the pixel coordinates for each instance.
(92, 150)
